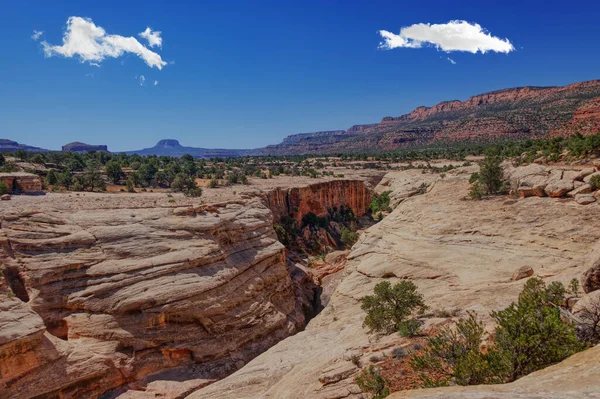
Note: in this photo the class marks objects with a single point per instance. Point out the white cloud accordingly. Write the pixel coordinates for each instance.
(453, 36)
(90, 43)
(451, 61)
(142, 80)
(37, 34)
(153, 37)
(156, 83)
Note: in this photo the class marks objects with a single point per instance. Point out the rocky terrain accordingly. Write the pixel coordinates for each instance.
(83, 147)
(11, 146)
(128, 295)
(162, 296)
(462, 254)
(522, 112)
(508, 114)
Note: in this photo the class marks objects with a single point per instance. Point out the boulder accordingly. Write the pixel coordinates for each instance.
(585, 172)
(587, 302)
(558, 188)
(583, 189)
(522, 272)
(584, 199)
(590, 281)
(5, 197)
(530, 180)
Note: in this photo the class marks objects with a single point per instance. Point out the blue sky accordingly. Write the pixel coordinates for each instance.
(244, 74)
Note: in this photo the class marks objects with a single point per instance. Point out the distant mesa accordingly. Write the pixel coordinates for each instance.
(172, 148)
(12, 146)
(82, 147)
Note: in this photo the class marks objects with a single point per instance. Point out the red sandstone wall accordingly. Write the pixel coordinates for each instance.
(318, 198)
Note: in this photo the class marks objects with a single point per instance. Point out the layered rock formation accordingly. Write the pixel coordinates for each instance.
(77, 146)
(504, 114)
(21, 182)
(12, 146)
(172, 148)
(462, 255)
(319, 198)
(108, 297)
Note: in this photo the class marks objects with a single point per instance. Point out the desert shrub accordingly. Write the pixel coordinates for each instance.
(193, 192)
(186, 184)
(214, 183)
(3, 188)
(9, 167)
(51, 178)
(477, 191)
(129, 186)
(113, 171)
(380, 202)
(454, 357)
(531, 334)
(371, 381)
(490, 174)
(2, 160)
(595, 182)
(389, 309)
(348, 237)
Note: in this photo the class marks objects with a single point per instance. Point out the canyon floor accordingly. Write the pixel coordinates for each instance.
(157, 296)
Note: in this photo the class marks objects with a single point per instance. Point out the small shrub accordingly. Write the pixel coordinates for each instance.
(389, 308)
(595, 182)
(477, 191)
(400, 353)
(129, 186)
(3, 188)
(348, 237)
(490, 174)
(214, 183)
(454, 357)
(371, 381)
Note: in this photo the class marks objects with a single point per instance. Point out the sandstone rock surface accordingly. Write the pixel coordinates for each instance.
(115, 295)
(459, 253)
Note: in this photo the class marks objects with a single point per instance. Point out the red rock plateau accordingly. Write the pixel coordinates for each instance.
(136, 296)
(524, 112)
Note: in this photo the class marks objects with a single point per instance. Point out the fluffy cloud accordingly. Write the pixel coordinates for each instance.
(153, 37)
(142, 80)
(453, 36)
(451, 61)
(90, 43)
(156, 83)
(37, 34)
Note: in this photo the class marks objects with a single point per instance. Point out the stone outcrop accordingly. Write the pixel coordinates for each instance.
(522, 272)
(21, 182)
(461, 254)
(553, 181)
(319, 198)
(83, 147)
(139, 297)
(516, 113)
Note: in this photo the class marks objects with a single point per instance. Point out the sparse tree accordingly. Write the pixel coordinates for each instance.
(113, 171)
(389, 309)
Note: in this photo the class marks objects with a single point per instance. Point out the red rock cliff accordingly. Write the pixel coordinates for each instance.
(318, 198)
